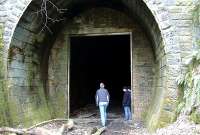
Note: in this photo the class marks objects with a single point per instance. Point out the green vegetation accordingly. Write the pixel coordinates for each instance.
(195, 116)
(4, 110)
(26, 110)
(189, 85)
(189, 82)
(153, 116)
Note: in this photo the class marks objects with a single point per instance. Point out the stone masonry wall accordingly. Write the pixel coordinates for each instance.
(58, 76)
(172, 19)
(196, 23)
(102, 21)
(4, 113)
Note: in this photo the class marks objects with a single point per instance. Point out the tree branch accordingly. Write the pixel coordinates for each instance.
(37, 130)
(43, 11)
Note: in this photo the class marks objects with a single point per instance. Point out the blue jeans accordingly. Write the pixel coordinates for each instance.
(127, 111)
(102, 108)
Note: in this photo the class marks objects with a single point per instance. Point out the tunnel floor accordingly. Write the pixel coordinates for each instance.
(88, 118)
(95, 59)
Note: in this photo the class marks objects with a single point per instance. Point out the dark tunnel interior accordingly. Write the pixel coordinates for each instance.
(95, 59)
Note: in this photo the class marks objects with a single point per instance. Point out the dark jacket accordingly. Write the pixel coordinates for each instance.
(127, 98)
(102, 95)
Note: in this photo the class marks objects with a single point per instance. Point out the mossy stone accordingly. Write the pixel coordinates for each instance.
(195, 116)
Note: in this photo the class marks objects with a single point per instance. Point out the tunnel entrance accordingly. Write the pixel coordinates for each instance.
(95, 59)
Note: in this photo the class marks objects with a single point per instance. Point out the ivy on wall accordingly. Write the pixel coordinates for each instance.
(189, 82)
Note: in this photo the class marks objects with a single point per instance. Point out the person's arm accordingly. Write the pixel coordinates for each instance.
(97, 99)
(124, 99)
(129, 98)
(108, 96)
(97, 102)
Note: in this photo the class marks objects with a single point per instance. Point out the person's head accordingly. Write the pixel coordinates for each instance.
(102, 85)
(124, 88)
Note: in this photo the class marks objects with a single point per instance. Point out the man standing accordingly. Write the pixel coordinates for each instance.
(102, 100)
(127, 102)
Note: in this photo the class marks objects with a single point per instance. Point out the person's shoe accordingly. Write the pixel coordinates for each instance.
(129, 121)
(136, 125)
(125, 119)
(103, 126)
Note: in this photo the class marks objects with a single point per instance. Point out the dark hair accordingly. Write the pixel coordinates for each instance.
(125, 87)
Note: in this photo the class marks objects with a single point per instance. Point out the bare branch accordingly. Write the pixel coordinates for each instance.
(43, 12)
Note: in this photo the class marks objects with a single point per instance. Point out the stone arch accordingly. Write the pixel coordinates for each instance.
(157, 9)
(168, 60)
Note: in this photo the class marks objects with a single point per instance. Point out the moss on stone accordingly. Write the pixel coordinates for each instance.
(161, 111)
(57, 105)
(2, 100)
(195, 117)
(37, 110)
(152, 123)
(36, 114)
(160, 119)
(4, 109)
(14, 50)
(153, 112)
(29, 113)
(166, 117)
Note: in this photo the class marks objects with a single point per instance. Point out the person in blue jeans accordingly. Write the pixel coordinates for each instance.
(102, 100)
(127, 103)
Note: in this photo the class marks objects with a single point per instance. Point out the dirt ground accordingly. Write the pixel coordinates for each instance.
(87, 118)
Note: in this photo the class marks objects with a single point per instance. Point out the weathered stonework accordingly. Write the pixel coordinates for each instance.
(196, 23)
(95, 21)
(3, 101)
(169, 27)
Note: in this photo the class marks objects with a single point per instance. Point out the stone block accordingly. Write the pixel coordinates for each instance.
(181, 16)
(184, 2)
(169, 2)
(163, 16)
(165, 24)
(28, 63)
(166, 117)
(182, 23)
(180, 31)
(14, 73)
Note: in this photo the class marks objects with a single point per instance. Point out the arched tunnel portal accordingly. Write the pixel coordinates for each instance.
(56, 62)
